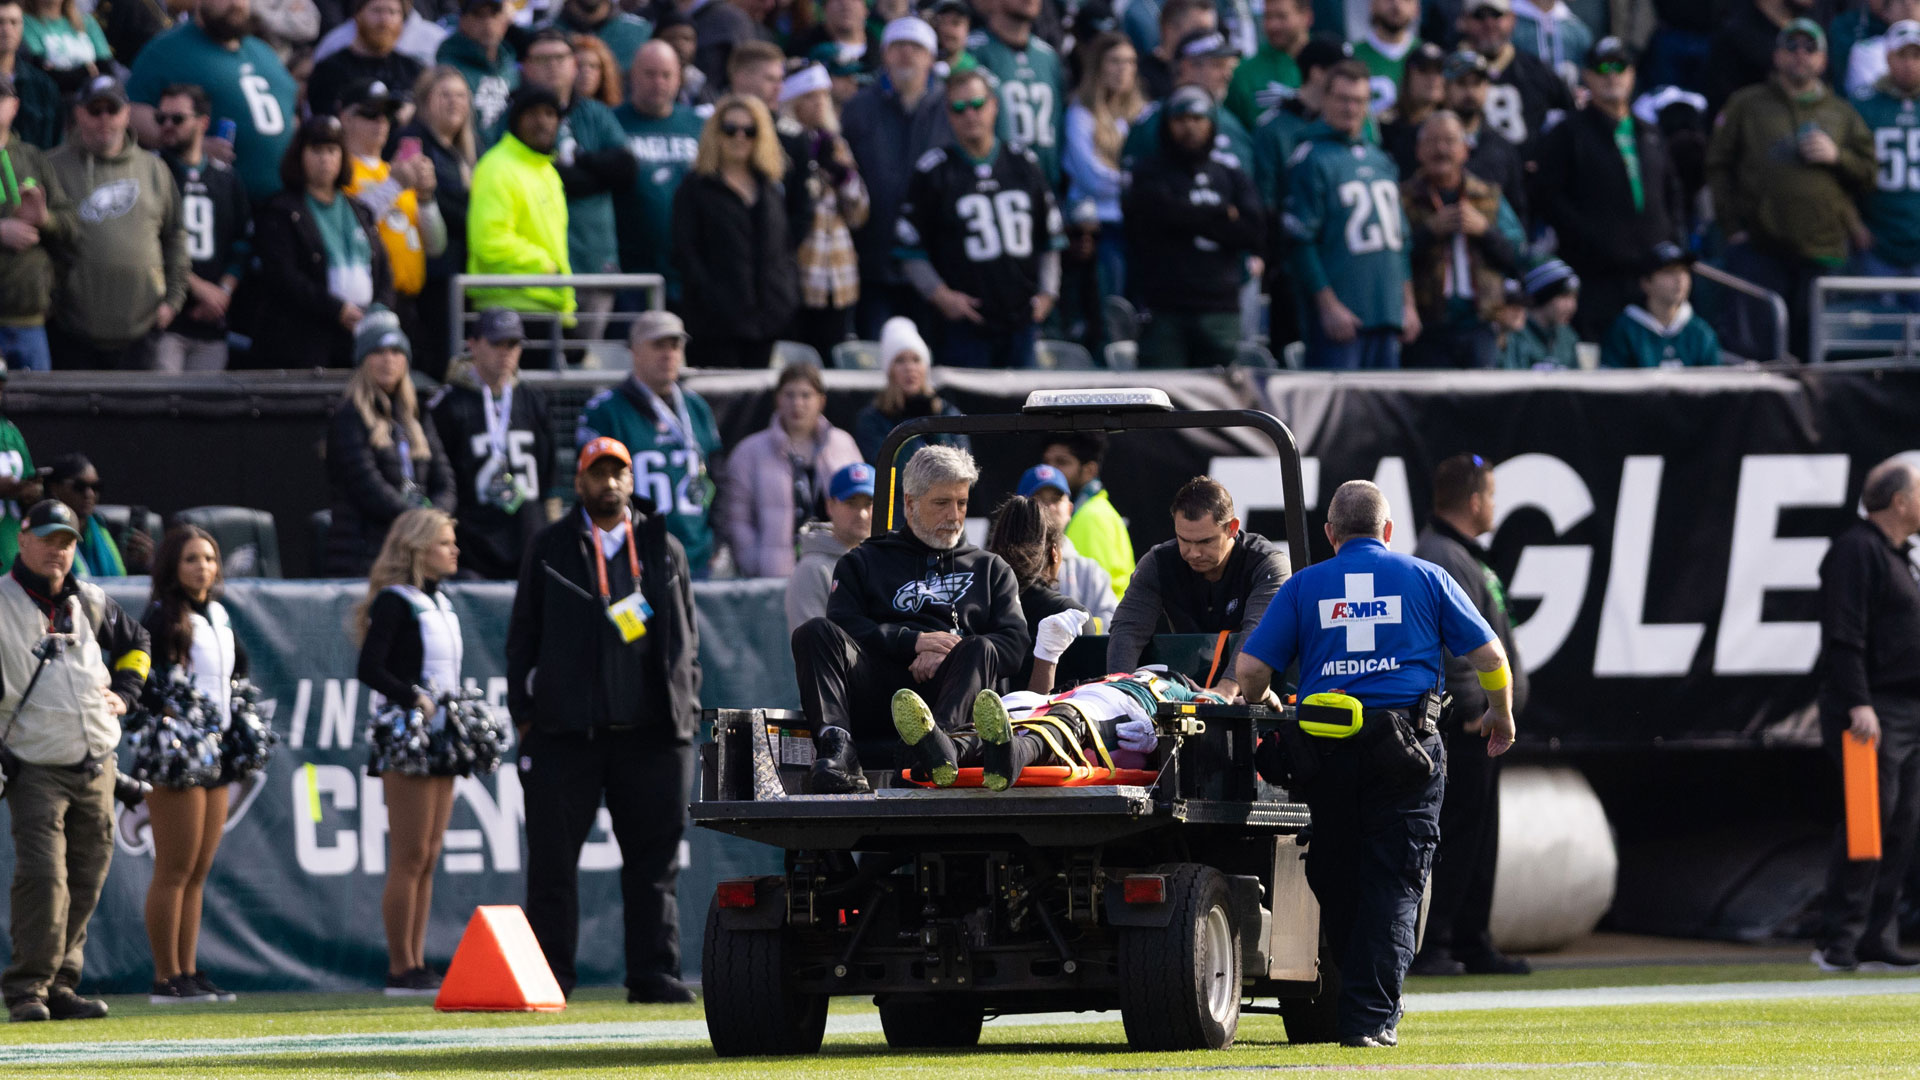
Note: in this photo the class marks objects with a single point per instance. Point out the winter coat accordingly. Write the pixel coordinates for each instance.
(737, 275)
(517, 224)
(886, 139)
(1762, 186)
(133, 245)
(871, 428)
(568, 672)
(27, 277)
(370, 489)
(1583, 192)
(298, 324)
(1491, 257)
(756, 503)
(1191, 220)
(812, 578)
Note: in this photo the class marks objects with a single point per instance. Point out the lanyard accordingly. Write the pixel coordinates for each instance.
(406, 452)
(600, 558)
(676, 419)
(499, 418)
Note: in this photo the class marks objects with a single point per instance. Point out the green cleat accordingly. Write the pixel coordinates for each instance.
(932, 750)
(995, 728)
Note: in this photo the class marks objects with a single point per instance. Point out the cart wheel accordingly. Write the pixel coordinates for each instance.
(1313, 1020)
(1180, 984)
(930, 1021)
(751, 1007)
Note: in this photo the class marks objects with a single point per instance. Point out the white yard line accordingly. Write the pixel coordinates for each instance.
(695, 1031)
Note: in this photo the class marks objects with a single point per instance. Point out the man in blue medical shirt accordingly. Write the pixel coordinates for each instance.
(1367, 627)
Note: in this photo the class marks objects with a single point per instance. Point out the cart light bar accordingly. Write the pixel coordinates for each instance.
(1117, 399)
(736, 894)
(1143, 889)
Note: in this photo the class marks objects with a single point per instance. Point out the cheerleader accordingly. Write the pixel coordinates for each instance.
(410, 656)
(192, 637)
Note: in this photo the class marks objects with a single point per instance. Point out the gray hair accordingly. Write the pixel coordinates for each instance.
(931, 466)
(1359, 508)
(1884, 484)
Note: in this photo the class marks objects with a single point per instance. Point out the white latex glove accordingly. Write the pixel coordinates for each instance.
(1056, 633)
(1137, 735)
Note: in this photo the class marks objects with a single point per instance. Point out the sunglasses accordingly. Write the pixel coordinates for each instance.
(1612, 67)
(104, 108)
(738, 131)
(967, 105)
(1485, 14)
(84, 485)
(1801, 45)
(372, 113)
(168, 119)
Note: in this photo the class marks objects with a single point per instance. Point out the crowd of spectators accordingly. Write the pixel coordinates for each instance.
(237, 182)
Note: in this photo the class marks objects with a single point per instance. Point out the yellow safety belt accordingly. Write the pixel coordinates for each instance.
(1331, 716)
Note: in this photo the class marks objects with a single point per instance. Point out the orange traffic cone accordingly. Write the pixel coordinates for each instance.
(499, 967)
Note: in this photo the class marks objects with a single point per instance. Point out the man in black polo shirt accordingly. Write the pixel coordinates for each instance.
(1870, 686)
(1212, 576)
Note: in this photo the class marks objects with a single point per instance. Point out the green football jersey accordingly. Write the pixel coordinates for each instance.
(671, 444)
(246, 84)
(1638, 340)
(1265, 80)
(1892, 208)
(1273, 144)
(1033, 95)
(1349, 233)
(15, 463)
(665, 147)
(1387, 65)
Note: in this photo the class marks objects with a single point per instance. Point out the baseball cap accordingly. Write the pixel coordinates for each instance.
(369, 95)
(1902, 34)
(916, 31)
(1609, 52)
(498, 325)
(1802, 27)
(1428, 55)
(654, 325)
(1204, 45)
(1190, 101)
(468, 7)
(1667, 253)
(855, 479)
(1320, 53)
(103, 86)
(1042, 476)
(602, 447)
(1504, 7)
(840, 60)
(51, 516)
(1464, 62)
(1548, 280)
(945, 7)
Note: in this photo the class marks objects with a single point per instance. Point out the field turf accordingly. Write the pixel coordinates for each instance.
(365, 1035)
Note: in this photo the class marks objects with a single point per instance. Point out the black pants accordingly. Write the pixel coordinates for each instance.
(1863, 896)
(1603, 296)
(1462, 902)
(822, 328)
(1367, 861)
(719, 352)
(841, 686)
(72, 352)
(647, 784)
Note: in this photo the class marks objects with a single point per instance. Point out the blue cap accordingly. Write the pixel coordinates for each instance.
(1041, 476)
(853, 480)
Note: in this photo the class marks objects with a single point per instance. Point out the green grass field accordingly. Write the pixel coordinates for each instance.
(601, 1036)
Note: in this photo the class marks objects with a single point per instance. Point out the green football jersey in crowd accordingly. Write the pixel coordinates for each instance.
(671, 443)
(1892, 209)
(248, 85)
(15, 463)
(1637, 339)
(1349, 233)
(665, 147)
(1033, 95)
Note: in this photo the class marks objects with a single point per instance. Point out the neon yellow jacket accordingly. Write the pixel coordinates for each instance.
(1098, 533)
(517, 224)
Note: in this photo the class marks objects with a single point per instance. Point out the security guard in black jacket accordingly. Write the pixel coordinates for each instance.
(603, 680)
(1192, 217)
(916, 608)
(1870, 686)
(1457, 940)
(1212, 576)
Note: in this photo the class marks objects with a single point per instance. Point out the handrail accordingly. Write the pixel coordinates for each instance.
(1822, 341)
(1764, 295)
(654, 285)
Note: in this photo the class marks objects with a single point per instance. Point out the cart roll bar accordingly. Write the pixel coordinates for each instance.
(1119, 417)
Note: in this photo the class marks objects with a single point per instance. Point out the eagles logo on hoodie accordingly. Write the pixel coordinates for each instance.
(944, 589)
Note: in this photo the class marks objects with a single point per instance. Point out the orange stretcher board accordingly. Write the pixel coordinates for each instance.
(1054, 776)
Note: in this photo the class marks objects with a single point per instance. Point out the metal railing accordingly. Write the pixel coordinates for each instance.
(1857, 327)
(1774, 301)
(548, 326)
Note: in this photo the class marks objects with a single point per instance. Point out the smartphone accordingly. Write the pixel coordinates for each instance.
(408, 150)
(226, 129)
(136, 519)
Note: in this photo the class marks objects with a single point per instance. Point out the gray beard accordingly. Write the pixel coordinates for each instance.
(934, 541)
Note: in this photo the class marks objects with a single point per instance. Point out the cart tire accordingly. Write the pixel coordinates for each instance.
(930, 1021)
(1180, 984)
(752, 1008)
(1315, 1019)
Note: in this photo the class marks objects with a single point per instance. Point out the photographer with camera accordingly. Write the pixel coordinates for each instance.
(71, 664)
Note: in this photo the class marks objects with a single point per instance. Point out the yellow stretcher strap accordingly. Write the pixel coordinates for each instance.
(1496, 679)
(1331, 716)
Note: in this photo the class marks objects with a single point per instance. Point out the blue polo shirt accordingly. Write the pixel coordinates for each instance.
(1370, 623)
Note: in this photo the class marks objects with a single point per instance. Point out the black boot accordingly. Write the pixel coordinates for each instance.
(836, 768)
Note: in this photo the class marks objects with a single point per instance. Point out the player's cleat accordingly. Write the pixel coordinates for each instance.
(836, 767)
(207, 985)
(179, 990)
(1383, 1039)
(933, 752)
(64, 1004)
(995, 728)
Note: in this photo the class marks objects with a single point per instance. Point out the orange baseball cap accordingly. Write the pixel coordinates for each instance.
(600, 448)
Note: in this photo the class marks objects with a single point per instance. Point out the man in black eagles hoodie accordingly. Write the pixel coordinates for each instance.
(917, 607)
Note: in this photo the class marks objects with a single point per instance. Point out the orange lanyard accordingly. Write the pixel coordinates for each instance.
(600, 560)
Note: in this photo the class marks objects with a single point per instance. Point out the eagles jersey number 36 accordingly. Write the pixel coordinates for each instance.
(984, 225)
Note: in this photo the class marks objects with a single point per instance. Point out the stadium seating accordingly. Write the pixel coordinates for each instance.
(249, 542)
(857, 355)
(794, 352)
(117, 519)
(1052, 355)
